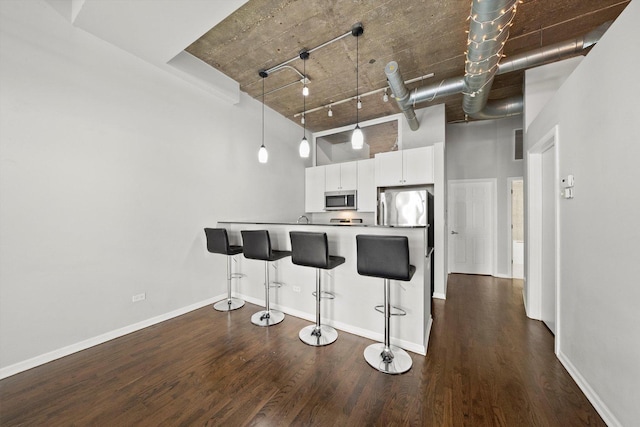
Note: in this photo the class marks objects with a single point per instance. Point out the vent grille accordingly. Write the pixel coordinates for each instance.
(518, 145)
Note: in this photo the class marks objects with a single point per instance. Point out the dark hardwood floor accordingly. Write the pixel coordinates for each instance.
(487, 364)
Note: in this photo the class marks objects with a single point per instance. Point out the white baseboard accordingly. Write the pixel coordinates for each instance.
(438, 295)
(593, 397)
(502, 276)
(108, 336)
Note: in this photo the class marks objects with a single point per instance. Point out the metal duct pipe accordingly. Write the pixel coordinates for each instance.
(552, 52)
(500, 108)
(488, 32)
(401, 93)
(446, 87)
(506, 107)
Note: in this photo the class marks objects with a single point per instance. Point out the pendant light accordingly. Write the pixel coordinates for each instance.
(357, 138)
(304, 144)
(263, 155)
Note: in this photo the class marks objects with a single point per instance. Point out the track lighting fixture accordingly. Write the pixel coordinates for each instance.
(357, 138)
(330, 113)
(304, 55)
(385, 97)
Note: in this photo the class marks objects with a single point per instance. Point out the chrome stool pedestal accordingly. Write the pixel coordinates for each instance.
(257, 245)
(385, 357)
(267, 317)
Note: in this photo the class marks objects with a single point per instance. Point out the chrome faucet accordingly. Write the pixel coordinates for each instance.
(301, 217)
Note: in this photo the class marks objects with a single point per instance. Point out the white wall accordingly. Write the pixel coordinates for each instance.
(542, 83)
(431, 131)
(596, 111)
(483, 150)
(109, 170)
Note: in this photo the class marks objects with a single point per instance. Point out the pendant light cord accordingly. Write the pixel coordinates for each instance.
(263, 111)
(304, 102)
(357, 82)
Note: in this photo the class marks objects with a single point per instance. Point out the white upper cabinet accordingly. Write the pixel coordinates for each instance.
(388, 169)
(314, 189)
(341, 176)
(405, 167)
(418, 166)
(367, 196)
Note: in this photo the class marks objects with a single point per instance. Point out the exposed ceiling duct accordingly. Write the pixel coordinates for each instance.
(489, 24)
(475, 85)
(552, 52)
(500, 108)
(407, 100)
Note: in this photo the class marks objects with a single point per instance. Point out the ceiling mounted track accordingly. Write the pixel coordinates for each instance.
(355, 31)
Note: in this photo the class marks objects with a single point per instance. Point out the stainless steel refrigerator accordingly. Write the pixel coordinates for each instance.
(402, 207)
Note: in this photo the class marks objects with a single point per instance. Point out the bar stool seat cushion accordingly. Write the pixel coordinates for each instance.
(257, 245)
(386, 257)
(311, 249)
(218, 242)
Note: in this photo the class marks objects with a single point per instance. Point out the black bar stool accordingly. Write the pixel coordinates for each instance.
(257, 245)
(218, 243)
(386, 257)
(312, 250)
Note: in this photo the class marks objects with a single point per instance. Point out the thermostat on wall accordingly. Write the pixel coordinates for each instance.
(567, 181)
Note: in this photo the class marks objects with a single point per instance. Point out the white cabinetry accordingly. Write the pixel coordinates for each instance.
(405, 167)
(314, 189)
(367, 196)
(341, 176)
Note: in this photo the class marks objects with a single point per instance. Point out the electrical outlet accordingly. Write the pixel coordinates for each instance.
(296, 288)
(139, 297)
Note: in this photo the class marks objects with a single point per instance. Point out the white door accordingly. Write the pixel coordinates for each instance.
(549, 196)
(471, 227)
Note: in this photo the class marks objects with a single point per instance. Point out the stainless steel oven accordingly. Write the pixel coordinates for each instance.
(340, 200)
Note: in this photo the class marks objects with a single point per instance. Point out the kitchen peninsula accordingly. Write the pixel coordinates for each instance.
(352, 310)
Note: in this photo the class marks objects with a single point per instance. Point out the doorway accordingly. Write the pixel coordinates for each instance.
(543, 286)
(516, 235)
(471, 226)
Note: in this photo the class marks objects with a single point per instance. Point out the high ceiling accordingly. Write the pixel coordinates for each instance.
(422, 36)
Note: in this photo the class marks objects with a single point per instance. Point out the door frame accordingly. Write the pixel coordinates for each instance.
(494, 219)
(510, 216)
(534, 228)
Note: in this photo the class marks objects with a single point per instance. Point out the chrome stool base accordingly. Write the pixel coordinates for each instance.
(399, 363)
(229, 304)
(267, 318)
(326, 335)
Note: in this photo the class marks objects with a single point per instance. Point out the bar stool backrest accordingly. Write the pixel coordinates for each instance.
(386, 257)
(217, 240)
(257, 244)
(309, 249)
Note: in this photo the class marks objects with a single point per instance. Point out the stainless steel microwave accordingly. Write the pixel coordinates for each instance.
(340, 200)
